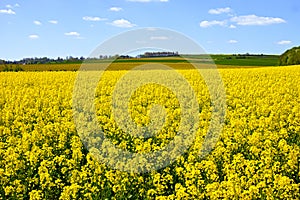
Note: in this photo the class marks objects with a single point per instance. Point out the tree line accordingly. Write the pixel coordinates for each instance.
(290, 57)
(46, 60)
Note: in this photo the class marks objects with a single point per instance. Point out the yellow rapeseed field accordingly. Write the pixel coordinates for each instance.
(256, 157)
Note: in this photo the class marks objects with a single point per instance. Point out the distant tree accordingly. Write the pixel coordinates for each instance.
(18, 68)
(6, 69)
(290, 57)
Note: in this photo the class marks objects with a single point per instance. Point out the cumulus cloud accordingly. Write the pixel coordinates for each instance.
(53, 21)
(115, 9)
(232, 41)
(284, 42)
(234, 20)
(218, 11)
(7, 11)
(94, 19)
(205, 24)
(253, 20)
(73, 33)
(12, 6)
(36, 22)
(123, 23)
(33, 37)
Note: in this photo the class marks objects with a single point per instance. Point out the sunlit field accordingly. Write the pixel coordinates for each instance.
(257, 155)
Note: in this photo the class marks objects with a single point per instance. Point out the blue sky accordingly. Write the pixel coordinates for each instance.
(52, 28)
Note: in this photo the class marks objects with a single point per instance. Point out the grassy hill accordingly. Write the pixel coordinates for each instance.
(290, 57)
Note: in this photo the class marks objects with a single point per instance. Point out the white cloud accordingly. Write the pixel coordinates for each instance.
(115, 9)
(33, 37)
(232, 41)
(205, 24)
(7, 11)
(94, 19)
(232, 26)
(36, 22)
(53, 21)
(284, 42)
(73, 33)
(10, 6)
(218, 11)
(123, 23)
(146, 1)
(159, 38)
(253, 20)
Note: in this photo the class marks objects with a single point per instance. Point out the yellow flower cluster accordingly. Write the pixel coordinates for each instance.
(256, 157)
